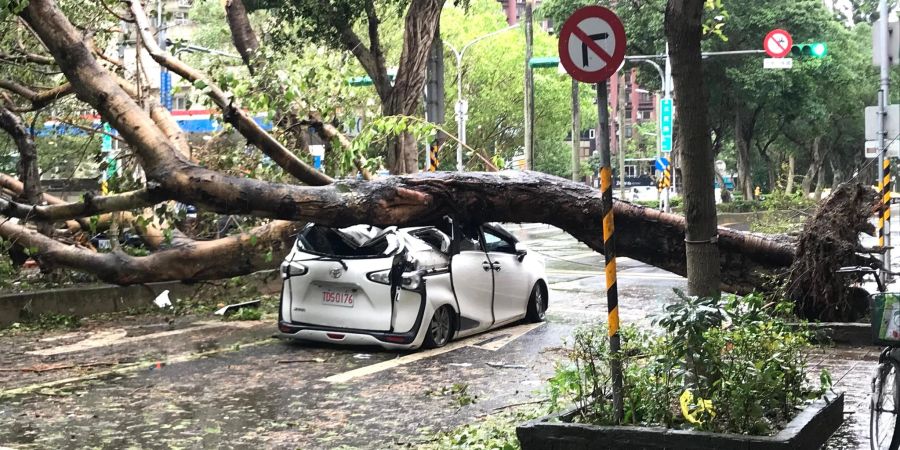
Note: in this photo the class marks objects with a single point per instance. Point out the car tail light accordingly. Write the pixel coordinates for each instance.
(292, 269)
(284, 328)
(399, 339)
(335, 336)
(410, 280)
(383, 277)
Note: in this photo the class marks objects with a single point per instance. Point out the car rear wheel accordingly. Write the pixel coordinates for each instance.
(537, 304)
(440, 330)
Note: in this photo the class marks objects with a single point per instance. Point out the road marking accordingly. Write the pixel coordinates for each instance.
(622, 274)
(512, 334)
(117, 337)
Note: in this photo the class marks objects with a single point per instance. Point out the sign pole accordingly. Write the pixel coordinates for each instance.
(609, 249)
(884, 162)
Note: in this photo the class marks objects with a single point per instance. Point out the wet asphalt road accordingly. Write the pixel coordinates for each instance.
(230, 385)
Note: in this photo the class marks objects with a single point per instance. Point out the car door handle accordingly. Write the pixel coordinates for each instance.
(496, 266)
(486, 266)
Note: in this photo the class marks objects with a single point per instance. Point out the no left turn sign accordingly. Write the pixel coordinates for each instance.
(592, 44)
(777, 43)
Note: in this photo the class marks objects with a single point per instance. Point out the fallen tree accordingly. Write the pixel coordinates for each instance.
(748, 262)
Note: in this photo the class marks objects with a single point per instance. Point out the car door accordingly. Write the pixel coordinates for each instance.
(511, 289)
(473, 282)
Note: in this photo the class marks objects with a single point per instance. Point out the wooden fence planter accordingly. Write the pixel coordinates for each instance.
(808, 430)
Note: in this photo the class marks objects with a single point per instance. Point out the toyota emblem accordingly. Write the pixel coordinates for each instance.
(336, 272)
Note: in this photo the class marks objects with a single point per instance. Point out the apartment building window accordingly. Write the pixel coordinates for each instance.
(644, 115)
(181, 18)
(645, 96)
(179, 102)
(628, 131)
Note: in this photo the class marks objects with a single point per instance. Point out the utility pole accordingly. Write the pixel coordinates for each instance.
(529, 89)
(884, 162)
(620, 120)
(667, 91)
(576, 132)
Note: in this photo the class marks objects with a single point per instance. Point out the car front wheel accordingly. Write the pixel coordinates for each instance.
(537, 304)
(440, 329)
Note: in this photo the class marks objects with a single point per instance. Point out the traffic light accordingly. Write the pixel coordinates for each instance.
(813, 49)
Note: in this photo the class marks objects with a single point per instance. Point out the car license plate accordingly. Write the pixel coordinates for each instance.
(337, 298)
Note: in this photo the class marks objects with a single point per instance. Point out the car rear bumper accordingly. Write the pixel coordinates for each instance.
(350, 337)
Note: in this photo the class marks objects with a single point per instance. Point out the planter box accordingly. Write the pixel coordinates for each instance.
(808, 430)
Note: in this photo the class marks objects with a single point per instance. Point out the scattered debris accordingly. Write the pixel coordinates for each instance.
(229, 309)
(460, 364)
(48, 368)
(292, 361)
(501, 365)
(362, 356)
(162, 300)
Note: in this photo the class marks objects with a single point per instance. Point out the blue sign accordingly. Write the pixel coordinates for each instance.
(165, 88)
(665, 124)
(317, 162)
(662, 163)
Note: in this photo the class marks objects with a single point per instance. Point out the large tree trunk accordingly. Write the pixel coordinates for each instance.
(683, 32)
(742, 142)
(404, 97)
(643, 234)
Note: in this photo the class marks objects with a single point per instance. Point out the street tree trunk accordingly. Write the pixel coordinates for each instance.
(742, 138)
(806, 185)
(789, 185)
(683, 26)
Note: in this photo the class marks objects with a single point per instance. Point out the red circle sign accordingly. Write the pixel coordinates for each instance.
(777, 43)
(592, 44)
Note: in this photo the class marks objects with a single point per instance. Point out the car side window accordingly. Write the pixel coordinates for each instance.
(495, 243)
(469, 240)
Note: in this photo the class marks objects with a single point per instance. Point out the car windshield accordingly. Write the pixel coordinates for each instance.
(358, 241)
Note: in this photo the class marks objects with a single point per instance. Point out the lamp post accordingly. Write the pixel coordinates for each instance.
(462, 106)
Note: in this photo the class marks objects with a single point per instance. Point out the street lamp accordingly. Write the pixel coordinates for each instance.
(462, 106)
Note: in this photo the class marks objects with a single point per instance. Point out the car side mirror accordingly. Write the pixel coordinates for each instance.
(521, 251)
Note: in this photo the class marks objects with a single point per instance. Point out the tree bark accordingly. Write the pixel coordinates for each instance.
(683, 27)
(242, 33)
(403, 98)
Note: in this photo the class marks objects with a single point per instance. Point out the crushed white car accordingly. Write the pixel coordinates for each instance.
(409, 287)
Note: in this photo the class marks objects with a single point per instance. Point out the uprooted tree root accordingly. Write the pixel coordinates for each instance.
(829, 241)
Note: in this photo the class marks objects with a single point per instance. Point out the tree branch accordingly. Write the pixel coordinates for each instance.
(242, 33)
(233, 115)
(38, 99)
(368, 61)
(90, 205)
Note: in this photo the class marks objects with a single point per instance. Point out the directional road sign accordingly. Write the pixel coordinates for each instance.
(592, 44)
(777, 43)
(891, 123)
(665, 124)
(662, 163)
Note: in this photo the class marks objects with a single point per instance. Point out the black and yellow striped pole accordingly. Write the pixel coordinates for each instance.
(885, 213)
(609, 248)
(432, 157)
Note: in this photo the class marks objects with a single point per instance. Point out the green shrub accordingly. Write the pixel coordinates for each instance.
(733, 365)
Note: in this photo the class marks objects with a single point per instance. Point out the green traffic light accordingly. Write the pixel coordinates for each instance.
(819, 50)
(813, 49)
